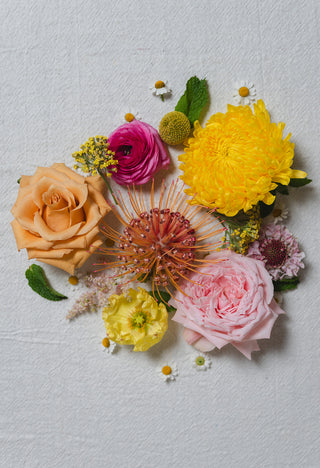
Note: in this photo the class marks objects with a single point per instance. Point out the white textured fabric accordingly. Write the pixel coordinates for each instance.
(69, 70)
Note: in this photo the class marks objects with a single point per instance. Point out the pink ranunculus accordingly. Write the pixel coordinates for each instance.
(140, 153)
(230, 301)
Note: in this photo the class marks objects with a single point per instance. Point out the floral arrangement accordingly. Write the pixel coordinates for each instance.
(208, 250)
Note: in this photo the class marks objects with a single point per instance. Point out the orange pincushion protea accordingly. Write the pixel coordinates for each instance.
(237, 159)
(160, 244)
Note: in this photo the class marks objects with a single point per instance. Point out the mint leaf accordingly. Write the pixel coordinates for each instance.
(39, 283)
(299, 182)
(183, 105)
(194, 99)
(286, 284)
(164, 298)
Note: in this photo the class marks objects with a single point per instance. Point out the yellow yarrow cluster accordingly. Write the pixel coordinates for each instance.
(239, 237)
(95, 157)
(237, 159)
(136, 319)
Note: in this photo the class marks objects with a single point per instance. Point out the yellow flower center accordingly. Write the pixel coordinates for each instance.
(200, 361)
(106, 342)
(277, 212)
(244, 91)
(174, 128)
(139, 319)
(159, 84)
(166, 370)
(73, 280)
(129, 117)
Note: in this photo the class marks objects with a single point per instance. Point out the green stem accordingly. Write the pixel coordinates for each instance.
(108, 185)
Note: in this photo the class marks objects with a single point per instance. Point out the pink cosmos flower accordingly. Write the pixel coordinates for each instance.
(279, 250)
(140, 153)
(230, 301)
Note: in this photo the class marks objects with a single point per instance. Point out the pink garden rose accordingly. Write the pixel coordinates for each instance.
(231, 303)
(140, 153)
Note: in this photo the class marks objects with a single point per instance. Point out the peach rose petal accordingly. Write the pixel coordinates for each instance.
(96, 182)
(57, 215)
(40, 254)
(25, 181)
(48, 172)
(26, 239)
(74, 259)
(56, 220)
(50, 235)
(93, 214)
(70, 174)
(59, 196)
(24, 210)
(99, 199)
(78, 242)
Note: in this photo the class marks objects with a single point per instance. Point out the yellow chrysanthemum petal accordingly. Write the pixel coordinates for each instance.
(237, 159)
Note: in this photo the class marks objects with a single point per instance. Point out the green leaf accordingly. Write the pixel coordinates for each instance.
(194, 99)
(19, 180)
(182, 105)
(265, 210)
(164, 298)
(299, 182)
(283, 189)
(286, 284)
(39, 283)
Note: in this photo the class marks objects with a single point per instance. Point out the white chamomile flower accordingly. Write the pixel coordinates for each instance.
(169, 372)
(160, 88)
(279, 213)
(108, 346)
(278, 297)
(244, 93)
(201, 362)
(131, 115)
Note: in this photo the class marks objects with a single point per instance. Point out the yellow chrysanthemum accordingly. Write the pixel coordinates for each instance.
(136, 319)
(237, 159)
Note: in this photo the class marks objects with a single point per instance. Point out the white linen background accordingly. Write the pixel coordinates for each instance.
(69, 70)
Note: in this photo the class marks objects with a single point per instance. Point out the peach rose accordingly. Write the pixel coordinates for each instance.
(57, 215)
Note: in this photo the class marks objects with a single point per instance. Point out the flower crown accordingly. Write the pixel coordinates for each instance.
(210, 249)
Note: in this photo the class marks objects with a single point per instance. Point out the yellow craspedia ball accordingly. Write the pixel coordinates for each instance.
(174, 128)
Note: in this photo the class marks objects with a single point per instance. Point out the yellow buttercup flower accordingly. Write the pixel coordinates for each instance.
(237, 159)
(136, 319)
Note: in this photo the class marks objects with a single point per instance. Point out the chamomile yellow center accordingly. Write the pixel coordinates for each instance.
(159, 84)
(73, 280)
(200, 361)
(277, 212)
(166, 370)
(129, 117)
(244, 91)
(106, 342)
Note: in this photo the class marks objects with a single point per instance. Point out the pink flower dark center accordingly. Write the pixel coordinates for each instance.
(124, 149)
(274, 252)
